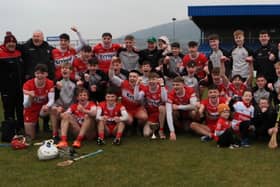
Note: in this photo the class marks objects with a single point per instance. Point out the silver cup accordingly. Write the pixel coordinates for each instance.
(154, 127)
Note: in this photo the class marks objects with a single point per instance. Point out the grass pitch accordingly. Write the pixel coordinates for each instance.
(142, 162)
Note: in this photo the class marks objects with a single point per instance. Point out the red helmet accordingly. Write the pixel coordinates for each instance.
(19, 142)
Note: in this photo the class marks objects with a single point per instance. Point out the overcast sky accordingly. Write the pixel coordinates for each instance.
(93, 17)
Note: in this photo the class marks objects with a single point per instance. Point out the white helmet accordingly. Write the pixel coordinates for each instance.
(47, 151)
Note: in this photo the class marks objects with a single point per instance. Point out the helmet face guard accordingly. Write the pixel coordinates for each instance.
(47, 151)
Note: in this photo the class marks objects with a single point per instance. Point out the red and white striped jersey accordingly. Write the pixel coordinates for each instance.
(41, 94)
(211, 111)
(105, 55)
(111, 113)
(60, 58)
(79, 65)
(80, 116)
(201, 62)
(181, 100)
(128, 97)
(153, 99)
(233, 91)
(242, 112)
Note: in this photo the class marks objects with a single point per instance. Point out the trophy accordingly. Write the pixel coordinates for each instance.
(154, 127)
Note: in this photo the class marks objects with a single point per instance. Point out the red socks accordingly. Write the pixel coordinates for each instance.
(101, 135)
(80, 138)
(119, 135)
(63, 138)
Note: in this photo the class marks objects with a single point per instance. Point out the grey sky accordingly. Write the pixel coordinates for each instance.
(93, 17)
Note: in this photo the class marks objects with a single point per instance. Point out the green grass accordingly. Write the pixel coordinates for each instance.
(141, 162)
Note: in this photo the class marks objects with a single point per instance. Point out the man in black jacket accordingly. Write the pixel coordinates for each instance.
(265, 118)
(36, 51)
(11, 79)
(151, 54)
(265, 58)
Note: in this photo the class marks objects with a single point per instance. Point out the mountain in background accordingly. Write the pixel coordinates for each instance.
(185, 31)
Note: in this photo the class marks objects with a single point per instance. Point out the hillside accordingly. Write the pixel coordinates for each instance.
(185, 30)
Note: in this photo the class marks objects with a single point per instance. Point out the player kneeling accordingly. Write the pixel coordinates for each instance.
(155, 95)
(38, 98)
(111, 116)
(79, 118)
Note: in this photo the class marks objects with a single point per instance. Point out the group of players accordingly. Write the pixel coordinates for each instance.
(100, 91)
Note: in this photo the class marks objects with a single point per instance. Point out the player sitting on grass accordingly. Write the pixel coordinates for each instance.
(111, 116)
(223, 133)
(209, 109)
(66, 92)
(38, 98)
(79, 119)
(155, 95)
(242, 118)
(264, 119)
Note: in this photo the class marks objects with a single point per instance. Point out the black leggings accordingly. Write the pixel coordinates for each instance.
(13, 107)
(227, 138)
(244, 129)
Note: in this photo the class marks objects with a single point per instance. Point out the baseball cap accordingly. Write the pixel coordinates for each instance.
(152, 40)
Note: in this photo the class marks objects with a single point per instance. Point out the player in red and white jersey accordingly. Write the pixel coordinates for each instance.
(243, 113)
(105, 51)
(243, 110)
(111, 117)
(223, 133)
(180, 106)
(236, 87)
(79, 119)
(133, 106)
(209, 109)
(65, 53)
(218, 81)
(38, 98)
(80, 63)
(155, 95)
(200, 59)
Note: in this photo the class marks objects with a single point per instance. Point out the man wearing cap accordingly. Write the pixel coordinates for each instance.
(11, 79)
(152, 53)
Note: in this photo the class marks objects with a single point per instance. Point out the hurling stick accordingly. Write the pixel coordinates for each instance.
(69, 162)
(273, 140)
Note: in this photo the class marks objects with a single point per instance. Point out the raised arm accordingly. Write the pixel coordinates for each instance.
(224, 60)
(138, 94)
(248, 81)
(81, 39)
(115, 79)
